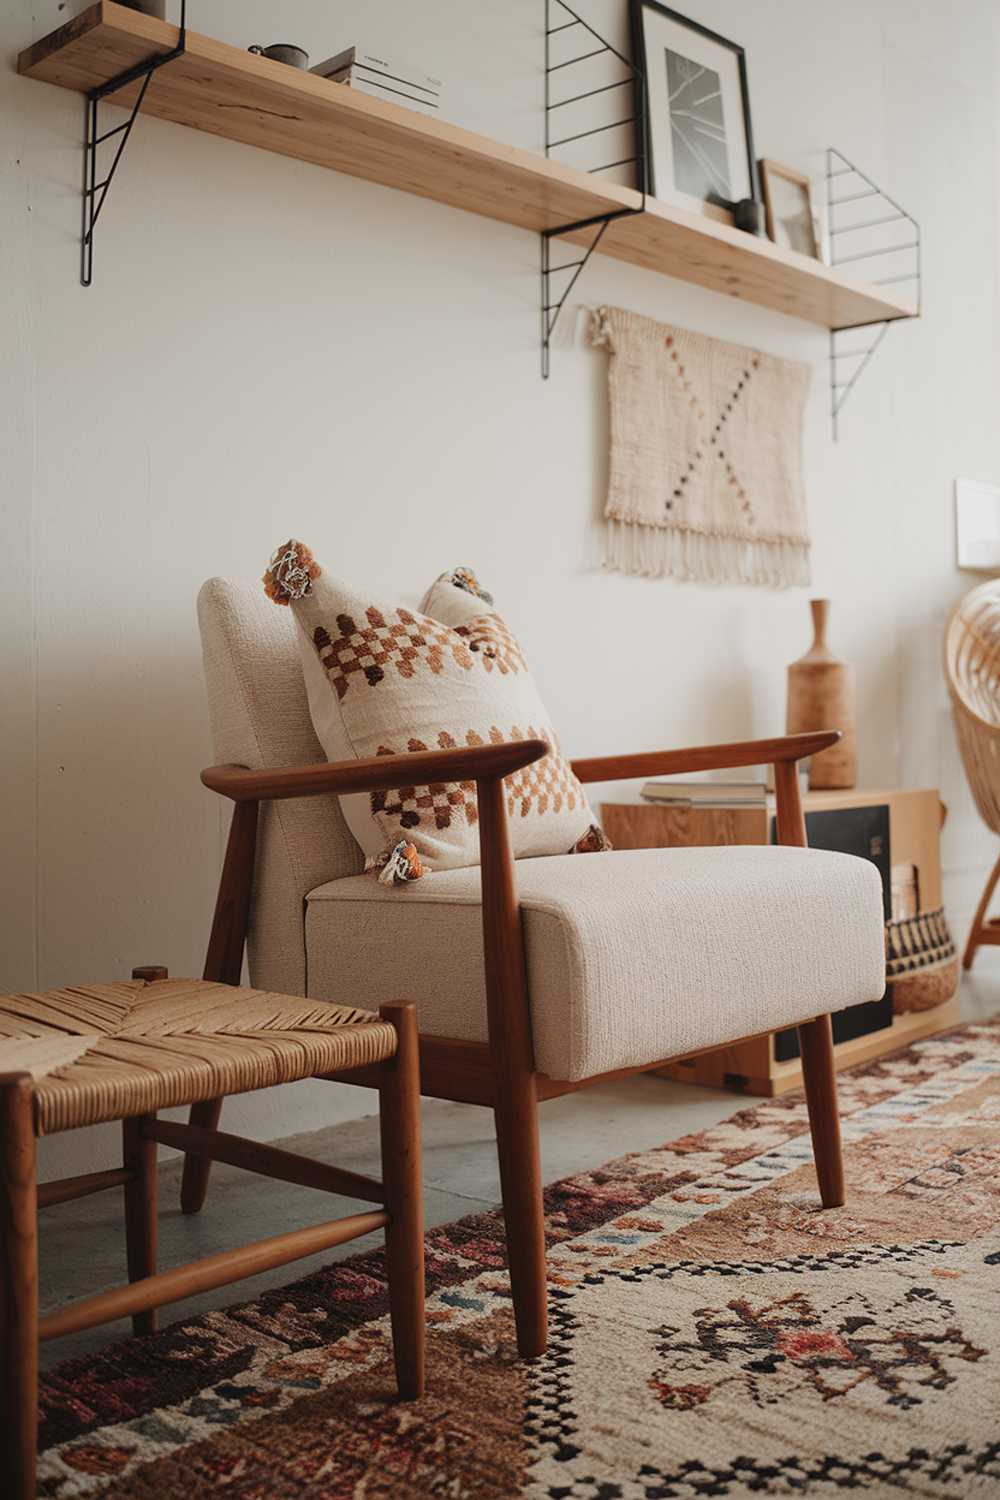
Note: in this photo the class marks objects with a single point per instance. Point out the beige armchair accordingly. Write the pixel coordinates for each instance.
(530, 979)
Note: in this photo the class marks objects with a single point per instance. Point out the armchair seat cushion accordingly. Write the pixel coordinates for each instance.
(632, 957)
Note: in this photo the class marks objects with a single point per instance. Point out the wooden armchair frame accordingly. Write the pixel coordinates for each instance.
(500, 1073)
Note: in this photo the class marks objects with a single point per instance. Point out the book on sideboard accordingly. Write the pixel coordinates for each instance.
(706, 793)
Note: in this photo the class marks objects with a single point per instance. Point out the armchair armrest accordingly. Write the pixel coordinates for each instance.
(376, 774)
(784, 749)
(781, 752)
(487, 765)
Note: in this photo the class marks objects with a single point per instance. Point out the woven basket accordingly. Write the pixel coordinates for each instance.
(920, 961)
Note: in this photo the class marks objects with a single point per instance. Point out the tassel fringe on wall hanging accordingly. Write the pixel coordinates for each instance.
(705, 474)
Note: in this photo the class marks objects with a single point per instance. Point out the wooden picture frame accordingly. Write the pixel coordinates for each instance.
(788, 209)
(695, 160)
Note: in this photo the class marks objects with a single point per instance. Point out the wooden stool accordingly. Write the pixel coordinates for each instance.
(77, 1057)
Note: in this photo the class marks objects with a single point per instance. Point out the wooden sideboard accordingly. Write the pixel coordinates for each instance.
(914, 828)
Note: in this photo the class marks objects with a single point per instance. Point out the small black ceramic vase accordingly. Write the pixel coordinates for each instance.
(748, 215)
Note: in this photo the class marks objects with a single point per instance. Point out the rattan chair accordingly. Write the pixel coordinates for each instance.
(972, 667)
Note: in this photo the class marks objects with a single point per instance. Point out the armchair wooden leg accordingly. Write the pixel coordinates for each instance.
(819, 1074)
(139, 1156)
(399, 1101)
(18, 1289)
(223, 965)
(524, 1215)
(194, 1181)
(516, 1108)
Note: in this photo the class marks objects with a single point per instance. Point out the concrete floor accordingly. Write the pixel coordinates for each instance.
(82, 1247)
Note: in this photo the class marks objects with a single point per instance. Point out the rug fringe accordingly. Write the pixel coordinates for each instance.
(661, 551)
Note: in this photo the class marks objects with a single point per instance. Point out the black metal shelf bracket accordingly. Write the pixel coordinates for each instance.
(882, 231)
(95, 192)
(559, 18)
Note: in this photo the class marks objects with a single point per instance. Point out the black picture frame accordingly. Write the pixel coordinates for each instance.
(645, 145)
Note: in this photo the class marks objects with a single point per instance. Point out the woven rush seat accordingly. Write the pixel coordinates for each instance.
(110, 1051)
(103, 1052)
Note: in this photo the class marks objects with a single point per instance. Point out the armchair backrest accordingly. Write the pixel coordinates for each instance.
(259, 717)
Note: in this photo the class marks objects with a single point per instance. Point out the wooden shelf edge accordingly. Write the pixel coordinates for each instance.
(722, 258)
(225, 91)
(296, 113)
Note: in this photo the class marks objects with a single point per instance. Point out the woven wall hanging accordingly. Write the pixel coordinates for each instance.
(705, 474)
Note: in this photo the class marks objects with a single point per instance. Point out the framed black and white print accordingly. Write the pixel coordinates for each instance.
(699, 142)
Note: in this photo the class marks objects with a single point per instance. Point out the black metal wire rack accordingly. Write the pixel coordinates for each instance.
(880, 230)
(574, 128)
(95, 192)
(560, 18)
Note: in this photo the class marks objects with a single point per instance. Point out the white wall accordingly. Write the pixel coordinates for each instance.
(269, 348)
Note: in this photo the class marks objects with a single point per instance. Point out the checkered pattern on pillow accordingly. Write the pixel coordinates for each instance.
(385, 680)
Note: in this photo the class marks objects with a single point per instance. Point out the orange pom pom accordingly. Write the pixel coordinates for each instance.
(397, 865)
(594, 841)
(464, 578)
(290, 572)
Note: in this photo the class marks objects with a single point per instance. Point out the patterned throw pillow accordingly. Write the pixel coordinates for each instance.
(383, 680)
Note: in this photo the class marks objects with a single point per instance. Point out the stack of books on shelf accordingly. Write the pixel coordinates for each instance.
(383, 78)
(730, 794)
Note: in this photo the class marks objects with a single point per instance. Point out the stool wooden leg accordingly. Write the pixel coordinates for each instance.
(399, 1100)
(150, 973)
(18, 1288)
(820, 1077)
(139, 1156)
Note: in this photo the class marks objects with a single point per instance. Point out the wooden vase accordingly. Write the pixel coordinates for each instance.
(821, 696)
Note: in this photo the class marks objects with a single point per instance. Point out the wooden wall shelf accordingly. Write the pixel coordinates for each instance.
(221, 89)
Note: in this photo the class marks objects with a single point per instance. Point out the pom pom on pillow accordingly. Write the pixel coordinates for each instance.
(290, 573)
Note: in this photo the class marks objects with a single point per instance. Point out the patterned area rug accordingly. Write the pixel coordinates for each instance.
(713, 1333)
